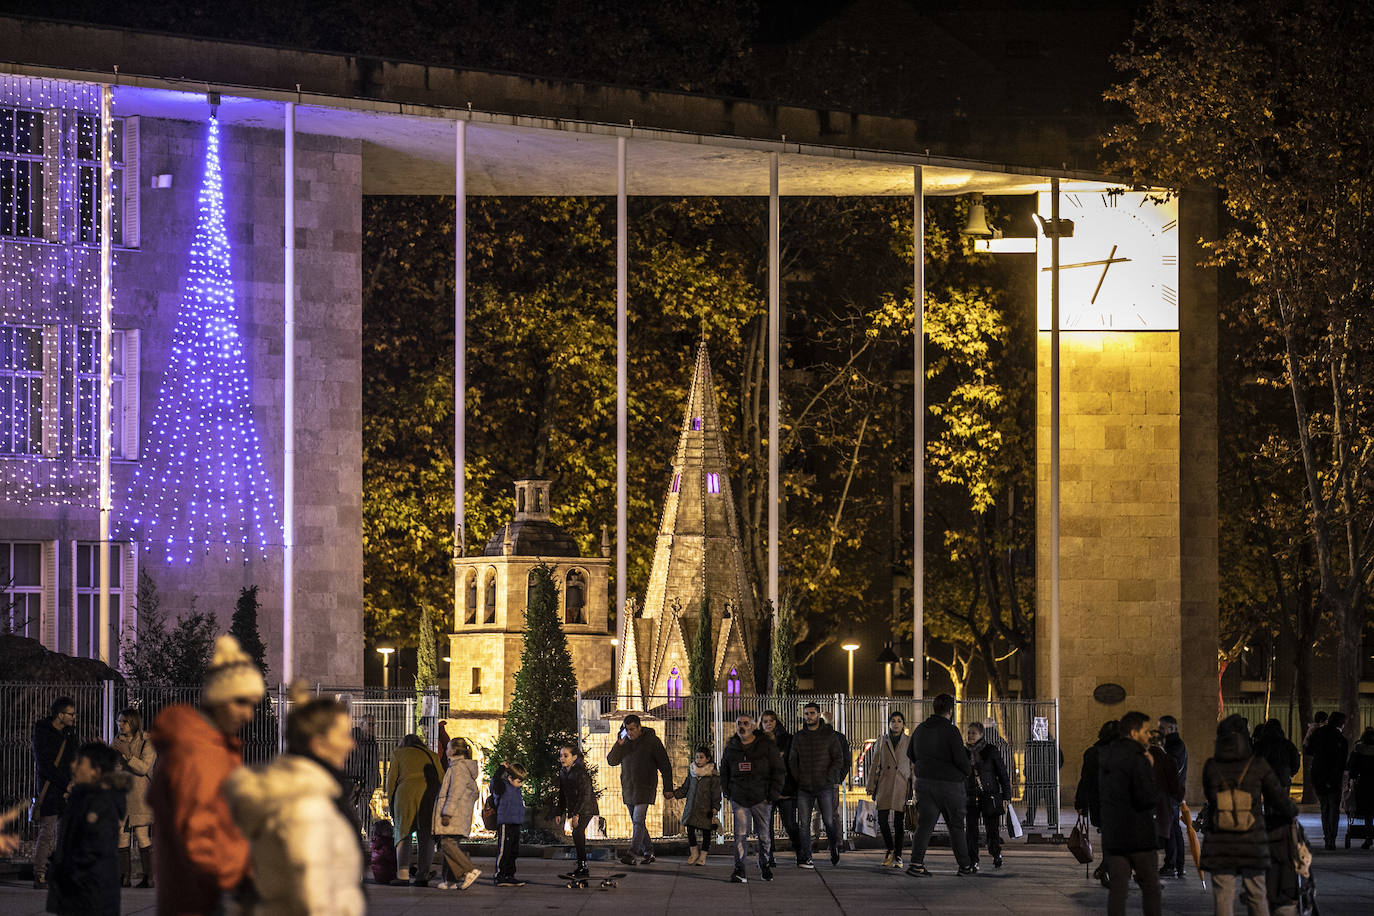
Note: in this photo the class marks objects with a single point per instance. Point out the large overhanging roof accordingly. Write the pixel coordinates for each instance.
(410, 150)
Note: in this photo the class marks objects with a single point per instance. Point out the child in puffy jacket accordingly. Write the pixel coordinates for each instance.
(383, 853)
(510, 815)
(83, 877)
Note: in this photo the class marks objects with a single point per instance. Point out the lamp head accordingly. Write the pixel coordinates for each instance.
(850, 644)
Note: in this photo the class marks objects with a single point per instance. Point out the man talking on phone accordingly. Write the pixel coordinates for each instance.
(641, 757)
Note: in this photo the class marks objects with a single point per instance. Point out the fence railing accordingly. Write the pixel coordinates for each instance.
(22, 705)
(1024, 730)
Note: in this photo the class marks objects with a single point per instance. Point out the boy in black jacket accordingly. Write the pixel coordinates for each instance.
(84, 875)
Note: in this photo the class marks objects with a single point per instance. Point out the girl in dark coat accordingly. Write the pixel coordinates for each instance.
(576, 800)
(1231, 856)
(1362, 781)
(83, 877)
(701, 801)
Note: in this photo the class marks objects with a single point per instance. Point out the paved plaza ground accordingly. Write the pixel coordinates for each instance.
(1035, 880)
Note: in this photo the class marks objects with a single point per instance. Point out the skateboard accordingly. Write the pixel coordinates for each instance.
(607, 881)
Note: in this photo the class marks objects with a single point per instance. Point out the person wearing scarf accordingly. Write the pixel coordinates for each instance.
(701, 800)
(296, 813)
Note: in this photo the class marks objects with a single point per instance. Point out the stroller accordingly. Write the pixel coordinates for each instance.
(1350, 804)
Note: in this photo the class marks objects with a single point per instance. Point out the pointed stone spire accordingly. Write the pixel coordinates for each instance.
(698, 550)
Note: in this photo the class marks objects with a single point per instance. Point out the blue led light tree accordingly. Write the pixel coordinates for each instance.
(201, 487)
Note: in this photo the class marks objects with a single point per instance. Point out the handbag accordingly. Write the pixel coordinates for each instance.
(1079, 844)
(489, 813)
(1014, 828)
(909, 816)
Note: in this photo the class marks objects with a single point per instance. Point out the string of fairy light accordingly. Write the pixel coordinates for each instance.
(49, 278)
(202, 488)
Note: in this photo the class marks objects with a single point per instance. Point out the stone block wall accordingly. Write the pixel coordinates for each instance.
(328, 399)
(1120, 614)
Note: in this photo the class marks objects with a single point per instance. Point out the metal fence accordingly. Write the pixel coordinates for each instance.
(1024, 730)
(98, 706)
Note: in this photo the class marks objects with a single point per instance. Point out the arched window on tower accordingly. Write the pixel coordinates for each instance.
(575, 597)
(732, 683)
(470, 611)
(489, 608)
(674, 689)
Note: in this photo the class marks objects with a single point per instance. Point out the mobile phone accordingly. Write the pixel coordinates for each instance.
(624, 733)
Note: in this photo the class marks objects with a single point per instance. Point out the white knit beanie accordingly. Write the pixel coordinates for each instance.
(231, 675)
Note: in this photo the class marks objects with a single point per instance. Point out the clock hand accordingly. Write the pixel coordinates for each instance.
(1087, 264)
(1105, 267)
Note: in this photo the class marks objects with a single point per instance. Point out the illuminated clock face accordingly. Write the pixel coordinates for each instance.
(1119, 271)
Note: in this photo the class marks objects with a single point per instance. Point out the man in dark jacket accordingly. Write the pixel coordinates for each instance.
(751, 778)
(989, 787)
(54, 748)
(641, 757)
(1178, 753)
(1328, 749)
(1232, 854)
(817, 762)
(786, 805)
(1129, 794)
(942, 767)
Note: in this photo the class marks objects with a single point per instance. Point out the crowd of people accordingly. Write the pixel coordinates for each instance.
(284, 836)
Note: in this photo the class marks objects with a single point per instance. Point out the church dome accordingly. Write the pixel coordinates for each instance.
(532, 538)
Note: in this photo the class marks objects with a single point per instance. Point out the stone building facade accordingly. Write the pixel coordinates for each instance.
(48, 493)
(491, 593)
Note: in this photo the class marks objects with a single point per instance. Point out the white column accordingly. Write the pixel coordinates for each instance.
(1054, 441)
(460, 334)
(106, 420)
(288, 515)
(774, 395)
(622, 254)
(918, 457)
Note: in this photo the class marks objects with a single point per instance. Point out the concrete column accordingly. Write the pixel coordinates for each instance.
(460, 329)
(918, 458)
(774, 395)
(288, 515)
(622, 250)
(106, 304)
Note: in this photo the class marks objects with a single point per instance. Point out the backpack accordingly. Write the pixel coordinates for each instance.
(1233, 813)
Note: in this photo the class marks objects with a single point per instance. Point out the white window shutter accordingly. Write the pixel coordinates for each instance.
(128, 599)
(129, 409)
(132, 184)
(52, 164)
(74, 609)
(48, 611)
(52, 390)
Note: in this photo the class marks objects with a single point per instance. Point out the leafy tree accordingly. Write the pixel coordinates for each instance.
(783, 669)
(165, 656)
(1270, 102)
(542, 714)
(244, 627)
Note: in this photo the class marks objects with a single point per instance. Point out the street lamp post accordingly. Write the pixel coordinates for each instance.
(385, 652)
(850, 646)
(887, 658)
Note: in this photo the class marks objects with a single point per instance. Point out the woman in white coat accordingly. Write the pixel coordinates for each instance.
(453, 811)
(889, 784)
(306, 844)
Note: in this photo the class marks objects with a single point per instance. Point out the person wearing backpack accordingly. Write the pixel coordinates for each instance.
(1235, 846)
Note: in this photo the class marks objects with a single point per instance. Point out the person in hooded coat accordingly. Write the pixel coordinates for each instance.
(889, 785)
(1233, 857)
(83, 876)
(412, 785)
(1087, 798)
(298, 815)
(1361, 767)
(700, 795)
(453, 808)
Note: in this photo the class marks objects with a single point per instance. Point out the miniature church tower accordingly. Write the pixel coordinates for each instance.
(492, 591)
(698, 555)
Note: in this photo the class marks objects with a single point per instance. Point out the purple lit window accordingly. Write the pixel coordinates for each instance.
(696, 423)
(732, 683)
(713, 483)
(674, 689)
(677, 482)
